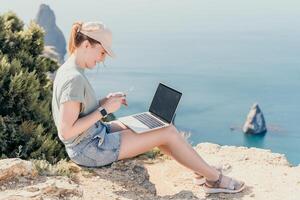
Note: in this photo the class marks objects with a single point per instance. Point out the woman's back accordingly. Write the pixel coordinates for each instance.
(71, 84)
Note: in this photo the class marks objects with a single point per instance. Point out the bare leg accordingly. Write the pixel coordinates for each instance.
(119, 126)
(165, 150)
(134, 144)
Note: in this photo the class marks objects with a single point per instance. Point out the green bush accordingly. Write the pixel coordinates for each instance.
(27, 129)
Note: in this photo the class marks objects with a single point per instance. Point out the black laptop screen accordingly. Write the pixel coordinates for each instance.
(165, 102)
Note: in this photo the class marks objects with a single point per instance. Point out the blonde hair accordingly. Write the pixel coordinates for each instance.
(76, 37)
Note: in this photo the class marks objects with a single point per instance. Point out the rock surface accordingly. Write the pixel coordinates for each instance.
(19, 179)
(267, 175)
(255, 122)
(11, 168)
(54, 36)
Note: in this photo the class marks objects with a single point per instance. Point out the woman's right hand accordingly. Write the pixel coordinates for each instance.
(113, 103)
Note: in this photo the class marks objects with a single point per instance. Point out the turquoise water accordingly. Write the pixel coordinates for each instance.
(212, 104)
(223, 56)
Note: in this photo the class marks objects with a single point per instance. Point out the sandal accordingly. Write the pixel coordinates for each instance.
(233, 186)
(200, 180)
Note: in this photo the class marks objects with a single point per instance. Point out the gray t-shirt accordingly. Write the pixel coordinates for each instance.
(71, 84)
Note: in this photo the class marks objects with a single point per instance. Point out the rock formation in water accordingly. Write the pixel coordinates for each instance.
(53, 35)
(255, 122)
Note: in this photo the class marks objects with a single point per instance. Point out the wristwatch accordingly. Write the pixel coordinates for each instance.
(102, 111)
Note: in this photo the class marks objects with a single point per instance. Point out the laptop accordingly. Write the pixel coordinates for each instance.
(160, 114)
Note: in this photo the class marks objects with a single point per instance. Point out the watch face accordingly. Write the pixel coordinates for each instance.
(103, 112)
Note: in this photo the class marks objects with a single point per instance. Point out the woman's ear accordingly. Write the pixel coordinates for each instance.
(86, 44)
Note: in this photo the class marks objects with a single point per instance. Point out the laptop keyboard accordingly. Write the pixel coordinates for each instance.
(148, 120)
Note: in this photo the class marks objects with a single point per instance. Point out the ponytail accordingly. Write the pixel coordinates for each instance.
(76, 37)
(74, 33)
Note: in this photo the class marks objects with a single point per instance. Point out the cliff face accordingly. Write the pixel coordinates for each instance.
(268, 176)
(54, 36)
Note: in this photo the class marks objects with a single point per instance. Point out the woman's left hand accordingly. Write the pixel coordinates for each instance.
(114, 94)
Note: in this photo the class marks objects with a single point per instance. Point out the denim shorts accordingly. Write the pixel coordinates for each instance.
(98, 148)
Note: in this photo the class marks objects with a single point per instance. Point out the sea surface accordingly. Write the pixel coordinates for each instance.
(223, 57)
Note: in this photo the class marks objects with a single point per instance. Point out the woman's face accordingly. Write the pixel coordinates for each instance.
(93, 54)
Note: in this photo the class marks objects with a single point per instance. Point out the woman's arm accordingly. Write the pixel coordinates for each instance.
(69, 123)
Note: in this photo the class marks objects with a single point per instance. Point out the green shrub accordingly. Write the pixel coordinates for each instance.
(27, 129)
(61, 168)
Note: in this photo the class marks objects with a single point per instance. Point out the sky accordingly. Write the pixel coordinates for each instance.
(168, 15)
(178, 33)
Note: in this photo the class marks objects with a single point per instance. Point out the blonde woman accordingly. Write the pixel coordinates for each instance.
(89, 141)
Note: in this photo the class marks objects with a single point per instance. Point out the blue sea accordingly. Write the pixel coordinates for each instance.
(223, 57)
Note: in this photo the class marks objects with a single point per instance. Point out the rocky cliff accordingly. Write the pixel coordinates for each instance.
(267, 175)
(54, 36)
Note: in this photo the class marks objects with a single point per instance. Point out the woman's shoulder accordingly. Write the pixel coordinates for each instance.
(65, 76)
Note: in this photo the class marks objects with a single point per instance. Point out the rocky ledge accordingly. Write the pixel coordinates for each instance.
(267, 175)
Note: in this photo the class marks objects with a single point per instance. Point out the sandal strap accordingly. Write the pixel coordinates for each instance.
(215, 184)
(232, 184)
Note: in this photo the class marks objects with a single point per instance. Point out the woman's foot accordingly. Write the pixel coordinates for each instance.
(224, 184)
(200, 180)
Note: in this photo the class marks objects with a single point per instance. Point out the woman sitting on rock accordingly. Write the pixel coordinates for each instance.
(93, 143)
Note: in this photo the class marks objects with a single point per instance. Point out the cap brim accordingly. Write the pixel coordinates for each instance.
(109, 51)
(103, 43)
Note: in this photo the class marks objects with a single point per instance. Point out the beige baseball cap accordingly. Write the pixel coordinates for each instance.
(99, 32)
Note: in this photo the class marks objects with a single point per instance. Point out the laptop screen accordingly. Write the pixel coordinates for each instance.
(165, 102)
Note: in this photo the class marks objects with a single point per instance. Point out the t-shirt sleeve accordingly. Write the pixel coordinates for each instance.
(73, 90)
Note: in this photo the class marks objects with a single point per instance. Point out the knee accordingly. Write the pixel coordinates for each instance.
(173, 133)
(172, 128)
